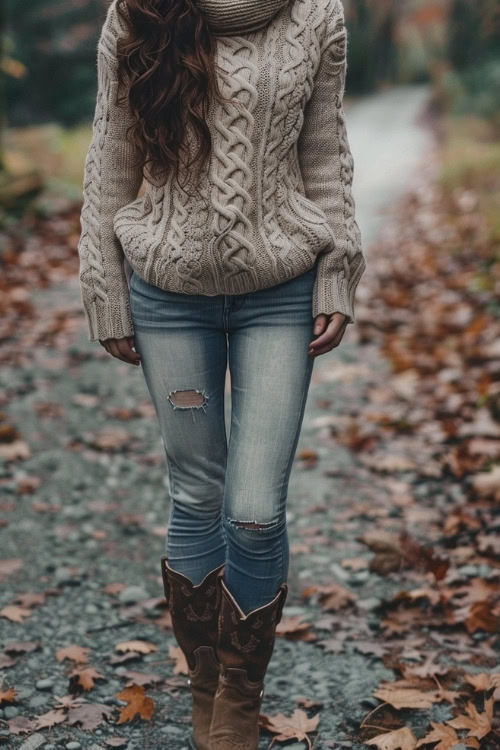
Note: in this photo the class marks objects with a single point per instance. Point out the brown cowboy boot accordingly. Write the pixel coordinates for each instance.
(244, 647)
(194, 611)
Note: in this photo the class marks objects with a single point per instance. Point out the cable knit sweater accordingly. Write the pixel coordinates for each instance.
(276, 193)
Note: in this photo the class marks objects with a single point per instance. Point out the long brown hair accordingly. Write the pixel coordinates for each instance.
(167, 63)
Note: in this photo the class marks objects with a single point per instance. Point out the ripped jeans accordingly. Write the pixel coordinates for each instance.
(228, 498)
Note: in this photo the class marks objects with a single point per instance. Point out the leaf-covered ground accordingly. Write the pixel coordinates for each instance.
(390, 634)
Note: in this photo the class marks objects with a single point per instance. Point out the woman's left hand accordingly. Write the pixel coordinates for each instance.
(329, 330)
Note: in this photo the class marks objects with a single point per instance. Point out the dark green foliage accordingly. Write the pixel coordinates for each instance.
(372, 51)
(474, 52)
(56, 41)
(474, 32)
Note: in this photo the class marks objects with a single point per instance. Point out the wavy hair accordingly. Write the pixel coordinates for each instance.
(167, 64)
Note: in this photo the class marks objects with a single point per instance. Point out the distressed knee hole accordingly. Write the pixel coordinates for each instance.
(183, 398)
(253, 525)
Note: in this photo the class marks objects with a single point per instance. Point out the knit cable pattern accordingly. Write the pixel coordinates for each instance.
(276, 193)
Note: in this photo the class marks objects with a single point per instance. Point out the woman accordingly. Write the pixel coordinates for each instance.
(240, 102)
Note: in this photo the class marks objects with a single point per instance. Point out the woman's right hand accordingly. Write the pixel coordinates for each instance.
(122, 349)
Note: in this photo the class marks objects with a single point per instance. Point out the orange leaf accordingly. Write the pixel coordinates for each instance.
(7, 696)
(138, 703)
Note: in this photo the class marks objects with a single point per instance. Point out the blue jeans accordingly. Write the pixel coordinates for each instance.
(228, 498)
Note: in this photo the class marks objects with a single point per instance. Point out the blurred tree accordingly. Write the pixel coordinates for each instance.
(472, 86)
(56, 41)
(372, 50)
(474, 32)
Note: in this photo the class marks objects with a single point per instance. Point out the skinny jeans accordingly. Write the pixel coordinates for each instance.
(228, 496)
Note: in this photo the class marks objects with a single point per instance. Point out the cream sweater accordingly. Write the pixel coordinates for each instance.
(276, 193)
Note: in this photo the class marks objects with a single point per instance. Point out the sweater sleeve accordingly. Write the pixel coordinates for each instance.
(327, 167)
(112, 178)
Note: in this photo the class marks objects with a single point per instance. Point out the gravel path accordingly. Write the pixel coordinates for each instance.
(85, 516)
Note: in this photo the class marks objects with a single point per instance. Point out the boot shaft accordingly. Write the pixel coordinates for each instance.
(246, 642)
(193, 608)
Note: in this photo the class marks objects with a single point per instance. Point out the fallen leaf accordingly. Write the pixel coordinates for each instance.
(406, 697)
(14, 613)
(398, 739)
(7, 696)
(50, 719)
(181, 665)
(478, 724)
(85, 678)
(9, 566)
(286, 728)
(446, 737)
(141, 647)
(89, 715)
(75, 653)
(138, 703)
(294, 629)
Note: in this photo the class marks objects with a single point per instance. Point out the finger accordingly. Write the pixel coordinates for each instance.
(338, 338)
(321, 351)
(131, 343)
(127, 353)
(320, 324)
(115, 352)
(327, 337)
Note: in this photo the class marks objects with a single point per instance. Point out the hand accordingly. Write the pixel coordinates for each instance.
(329, 330)
(122, 349)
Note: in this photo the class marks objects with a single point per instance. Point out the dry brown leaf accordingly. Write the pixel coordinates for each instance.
(85, 678)
(6, 661)
(181, 665)
(488, 483)
(90, 716)
(18, 450)
(446, 737)
(27, 485)
(479, 616)
(141, 647)
(428, 669)
(398, 739)
(21, 647)
(111, 439)
(114, 588)
(140, 678)
(332, 596)
(50, 719)
(29, 599)
(21, 725)
(138, 704)
(9, 566)
(478, 724)
(485, 681)
(406, 697)
(15, 614)
(294, 629)
(297, 726)
(386, 462)
(308, 703)
(79, 654)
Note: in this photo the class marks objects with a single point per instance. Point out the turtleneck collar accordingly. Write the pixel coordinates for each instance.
(227, 17)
